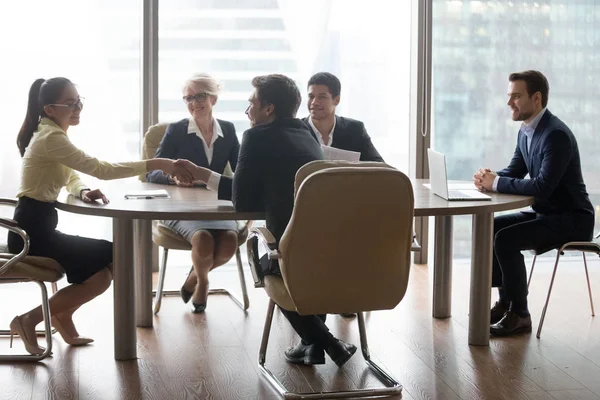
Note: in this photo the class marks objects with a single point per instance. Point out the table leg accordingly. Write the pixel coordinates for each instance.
(442, 267)
(481, 279)
(124, 302)
(143, 272)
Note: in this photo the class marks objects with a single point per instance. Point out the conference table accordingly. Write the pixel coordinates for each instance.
(132, 237)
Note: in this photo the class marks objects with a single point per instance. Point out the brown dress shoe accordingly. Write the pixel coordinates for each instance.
(511, 324)
(497, 312)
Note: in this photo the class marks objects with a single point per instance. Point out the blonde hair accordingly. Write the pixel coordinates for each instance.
(205, 82)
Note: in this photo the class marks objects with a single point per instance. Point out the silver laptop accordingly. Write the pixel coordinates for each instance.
(439, 181)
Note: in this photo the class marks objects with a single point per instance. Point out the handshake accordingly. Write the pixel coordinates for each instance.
(185, 173)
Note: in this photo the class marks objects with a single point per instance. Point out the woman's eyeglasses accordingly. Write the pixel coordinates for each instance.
(200, 97)
(77, 104)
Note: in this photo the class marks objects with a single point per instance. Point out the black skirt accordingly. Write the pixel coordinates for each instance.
(80, 257)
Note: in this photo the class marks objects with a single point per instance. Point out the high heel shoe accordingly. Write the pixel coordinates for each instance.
(198, 308)
(73, 341)
(17, 328)
(185, 294)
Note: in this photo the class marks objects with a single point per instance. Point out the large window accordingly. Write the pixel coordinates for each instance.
(367, 45)
(476, 45)
(96, 44)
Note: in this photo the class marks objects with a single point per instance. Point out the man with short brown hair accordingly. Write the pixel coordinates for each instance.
(562, 212)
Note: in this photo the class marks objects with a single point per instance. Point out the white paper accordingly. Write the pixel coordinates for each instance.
(148, 194)
(331, 153)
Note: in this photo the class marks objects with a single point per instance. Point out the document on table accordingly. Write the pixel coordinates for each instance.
(148, 194)
(331, 153)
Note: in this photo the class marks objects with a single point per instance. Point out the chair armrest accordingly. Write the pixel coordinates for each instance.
(263, 235)
(597, 236)
(12, 226)
(8, 202)
(8, 223)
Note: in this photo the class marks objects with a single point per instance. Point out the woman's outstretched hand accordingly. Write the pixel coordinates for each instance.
(179, 173)
(198, 173)
(90, 196)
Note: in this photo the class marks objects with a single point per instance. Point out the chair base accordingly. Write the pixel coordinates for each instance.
(38, 332)
(244, 304)
(47, 332)
(392, 386)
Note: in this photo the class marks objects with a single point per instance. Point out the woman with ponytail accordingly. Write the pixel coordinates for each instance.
(50, 162)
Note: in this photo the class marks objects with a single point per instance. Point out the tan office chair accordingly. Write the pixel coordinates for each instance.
(17, 268)
(318, 165)
(350, 232)
(583, 247)
(169, 240)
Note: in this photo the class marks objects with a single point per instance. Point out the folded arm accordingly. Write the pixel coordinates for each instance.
(556, 156)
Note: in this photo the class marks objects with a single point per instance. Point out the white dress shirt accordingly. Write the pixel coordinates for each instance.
(528, 130)
(319, 135)
(217, 133)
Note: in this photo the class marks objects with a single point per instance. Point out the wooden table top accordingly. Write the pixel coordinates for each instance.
(428, 204)
(200, 203)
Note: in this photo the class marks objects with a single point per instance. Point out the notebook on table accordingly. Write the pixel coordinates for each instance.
(148, 194)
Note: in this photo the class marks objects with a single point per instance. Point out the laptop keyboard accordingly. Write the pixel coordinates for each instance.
(457, 194)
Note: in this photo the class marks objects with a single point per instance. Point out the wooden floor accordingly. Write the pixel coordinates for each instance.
(213, 355)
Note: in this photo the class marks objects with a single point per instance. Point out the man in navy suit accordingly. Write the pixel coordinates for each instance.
(272, 151)
(332, 130)
(562, 211)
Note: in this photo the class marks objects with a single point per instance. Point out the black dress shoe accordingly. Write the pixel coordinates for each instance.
(340, 352)
(198, 308)
(497, 312)
(305, 354)
(511, 324)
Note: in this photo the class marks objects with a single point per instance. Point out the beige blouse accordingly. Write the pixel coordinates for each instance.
(50, 162)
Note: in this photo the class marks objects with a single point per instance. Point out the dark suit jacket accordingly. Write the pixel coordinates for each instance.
(350, 134)
(270, 156)
(554, 168)
(178, 143)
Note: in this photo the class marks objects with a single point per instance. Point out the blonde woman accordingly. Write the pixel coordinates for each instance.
(49, 163)
(210, 143)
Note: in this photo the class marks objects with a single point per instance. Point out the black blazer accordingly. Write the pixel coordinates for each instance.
(178, 143)
(270, 156)
(350, 134)
(554, 168)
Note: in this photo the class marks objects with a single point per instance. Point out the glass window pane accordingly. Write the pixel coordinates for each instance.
(96, 44)
(366, 45)
(476, 45)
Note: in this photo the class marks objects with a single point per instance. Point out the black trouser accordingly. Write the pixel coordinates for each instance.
(310, 328)
(530, 231)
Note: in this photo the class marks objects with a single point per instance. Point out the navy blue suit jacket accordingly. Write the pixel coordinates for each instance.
(270, 156)
(554, 168)
(178, 143)
(350, 134)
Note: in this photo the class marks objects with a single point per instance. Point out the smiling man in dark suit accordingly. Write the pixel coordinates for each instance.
(332, 130)
(562, 212)
(272, 151)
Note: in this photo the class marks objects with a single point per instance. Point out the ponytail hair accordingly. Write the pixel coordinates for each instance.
(41, 93)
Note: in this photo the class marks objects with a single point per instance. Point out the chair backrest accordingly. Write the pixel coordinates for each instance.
(318, 165)
(347, 245)
(152, 140)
